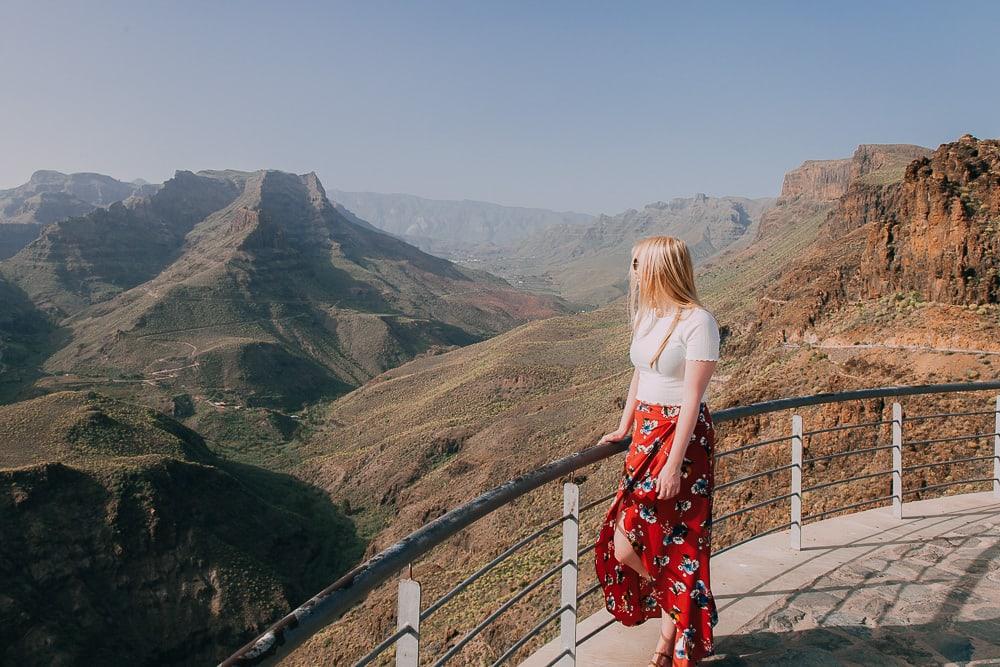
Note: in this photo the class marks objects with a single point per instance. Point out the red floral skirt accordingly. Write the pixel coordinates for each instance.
(671, 536)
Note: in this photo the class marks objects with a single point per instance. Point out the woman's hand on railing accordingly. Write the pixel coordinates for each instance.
(614, 436)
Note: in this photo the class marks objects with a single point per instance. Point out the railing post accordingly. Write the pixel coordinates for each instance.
(996, 451)
(408, 614)
(796, 523)
(897, 460)
(567, 598)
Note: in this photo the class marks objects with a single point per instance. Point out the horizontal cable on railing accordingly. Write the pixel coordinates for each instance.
(756, 475)
(846, 507)
(556, 660)
(450, 653)
(950, 462)
(817, 487)
(596, 630)
(598, 501)
(588, 592)
(752, 445)
(849, 452)
(842, 427)
(752, 537)
(941, 486)
(957, 438)
(748, 508)
(586, 549)
(949, 414)
(489, 566)
(295, 627)
(386, 643)
(531, 633)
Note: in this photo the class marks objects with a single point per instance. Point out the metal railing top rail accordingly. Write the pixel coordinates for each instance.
(336, 599)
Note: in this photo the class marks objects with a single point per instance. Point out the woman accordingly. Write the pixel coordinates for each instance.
(653, 549)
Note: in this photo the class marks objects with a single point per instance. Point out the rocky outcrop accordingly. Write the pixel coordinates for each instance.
(828, 180)
(816, 185)
(820, 180)
(938, 232)
(935, 231)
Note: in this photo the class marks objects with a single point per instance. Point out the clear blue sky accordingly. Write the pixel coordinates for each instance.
(590, 106)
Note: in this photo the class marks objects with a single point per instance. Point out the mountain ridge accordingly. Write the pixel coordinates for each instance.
(233, 276)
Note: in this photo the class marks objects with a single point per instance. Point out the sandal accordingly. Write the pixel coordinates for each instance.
(655, 662)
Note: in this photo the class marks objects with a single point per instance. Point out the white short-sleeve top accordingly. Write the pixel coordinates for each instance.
(696, 337)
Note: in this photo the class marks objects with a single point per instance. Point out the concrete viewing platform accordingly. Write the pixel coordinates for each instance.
(866, 589)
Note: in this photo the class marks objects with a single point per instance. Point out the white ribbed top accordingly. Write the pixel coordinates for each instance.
(696, 337)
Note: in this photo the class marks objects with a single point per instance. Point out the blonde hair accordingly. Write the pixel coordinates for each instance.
(664, 277)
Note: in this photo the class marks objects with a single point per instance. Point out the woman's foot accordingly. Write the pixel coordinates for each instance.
(663, 656)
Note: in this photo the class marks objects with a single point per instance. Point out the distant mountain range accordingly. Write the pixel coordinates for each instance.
(457, 224)
(50, 196)
(589, 263)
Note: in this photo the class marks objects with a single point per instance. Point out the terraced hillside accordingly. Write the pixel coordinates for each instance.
(85, 260)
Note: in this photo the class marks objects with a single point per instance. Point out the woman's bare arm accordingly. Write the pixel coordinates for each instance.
(628, 413)
(697, 373)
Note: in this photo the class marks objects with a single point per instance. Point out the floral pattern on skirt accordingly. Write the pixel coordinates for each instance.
(671, 536)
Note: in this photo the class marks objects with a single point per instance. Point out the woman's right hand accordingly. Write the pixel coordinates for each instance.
(614, 436)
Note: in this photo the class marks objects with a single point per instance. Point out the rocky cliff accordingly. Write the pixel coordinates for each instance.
(817, 184)
(938, 232)
(933, 232)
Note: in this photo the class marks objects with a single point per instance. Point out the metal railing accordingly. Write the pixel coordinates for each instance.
(331, 603)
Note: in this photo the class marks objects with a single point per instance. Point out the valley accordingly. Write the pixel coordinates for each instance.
(313, 366)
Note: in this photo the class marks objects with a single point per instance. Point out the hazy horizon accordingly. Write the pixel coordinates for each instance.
(562, 106)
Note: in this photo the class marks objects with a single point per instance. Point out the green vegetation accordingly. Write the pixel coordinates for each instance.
(111, 510)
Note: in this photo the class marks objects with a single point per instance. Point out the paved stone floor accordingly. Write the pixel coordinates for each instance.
(866, 589)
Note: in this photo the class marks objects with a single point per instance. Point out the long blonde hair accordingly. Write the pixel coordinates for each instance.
(663, 276)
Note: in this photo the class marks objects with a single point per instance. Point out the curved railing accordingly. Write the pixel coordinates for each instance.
(335, 600)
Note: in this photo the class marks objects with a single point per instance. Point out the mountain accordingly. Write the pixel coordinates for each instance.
(250, 287)
(452, 228)
(589, 263)
(50, 196)
(125, 540)
(88, 259)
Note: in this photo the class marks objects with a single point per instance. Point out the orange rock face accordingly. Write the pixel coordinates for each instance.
(938, 232)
